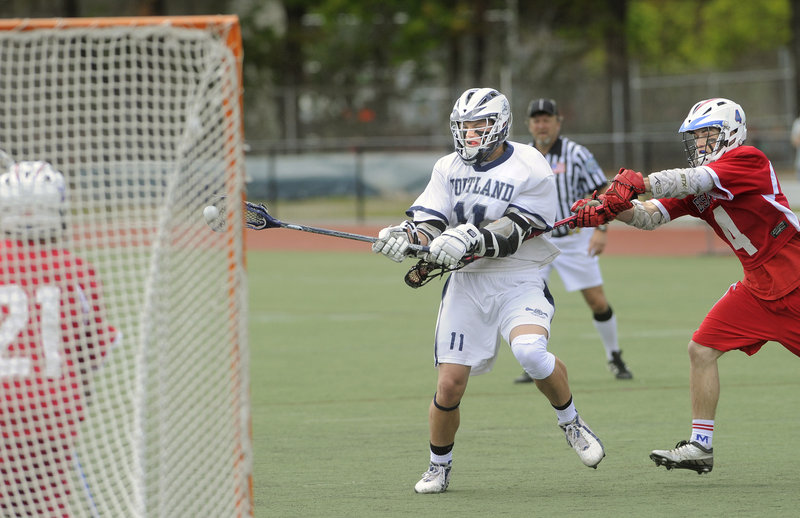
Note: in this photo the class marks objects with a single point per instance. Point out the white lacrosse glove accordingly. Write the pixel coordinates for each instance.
(454, 243)
(393, 241)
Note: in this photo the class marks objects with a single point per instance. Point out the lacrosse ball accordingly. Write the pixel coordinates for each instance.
(212, 217)
(211, 213)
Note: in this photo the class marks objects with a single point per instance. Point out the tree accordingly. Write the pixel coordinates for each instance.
(675, 36)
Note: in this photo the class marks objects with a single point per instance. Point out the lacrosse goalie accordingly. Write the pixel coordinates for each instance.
(484, 200)
(55, 336)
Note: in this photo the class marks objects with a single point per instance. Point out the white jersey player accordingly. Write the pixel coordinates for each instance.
(484, 200)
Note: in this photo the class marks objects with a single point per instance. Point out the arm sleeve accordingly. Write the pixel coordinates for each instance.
(504, 236)
(680, 183)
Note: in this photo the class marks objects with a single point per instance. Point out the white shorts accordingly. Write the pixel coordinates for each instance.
(477, 309)
(578, 270)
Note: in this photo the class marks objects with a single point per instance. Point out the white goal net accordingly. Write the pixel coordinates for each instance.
(123, 342)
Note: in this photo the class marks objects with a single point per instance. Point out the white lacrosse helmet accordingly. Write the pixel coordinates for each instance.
(713, 113)
(32, 201)
(477, 104)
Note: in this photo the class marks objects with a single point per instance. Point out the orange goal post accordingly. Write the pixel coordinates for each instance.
(143, 117)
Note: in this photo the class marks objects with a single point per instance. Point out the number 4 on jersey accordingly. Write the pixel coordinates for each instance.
(734, 236)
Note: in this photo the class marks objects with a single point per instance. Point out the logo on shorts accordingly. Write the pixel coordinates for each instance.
(538, 312)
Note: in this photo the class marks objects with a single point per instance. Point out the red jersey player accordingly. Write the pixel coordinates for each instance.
(53, 337)
(734, 189)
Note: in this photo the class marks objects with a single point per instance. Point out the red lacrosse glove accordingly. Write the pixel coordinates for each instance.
(627, 185)
(592, 212)
(614, 204)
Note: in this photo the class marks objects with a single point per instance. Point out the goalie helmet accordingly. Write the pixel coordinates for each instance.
(478, 104)
(32, 201)
(713, 113)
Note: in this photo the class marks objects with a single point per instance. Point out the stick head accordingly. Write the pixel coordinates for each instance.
(256, 215)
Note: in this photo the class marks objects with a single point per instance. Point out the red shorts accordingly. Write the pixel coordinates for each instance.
(739, 320)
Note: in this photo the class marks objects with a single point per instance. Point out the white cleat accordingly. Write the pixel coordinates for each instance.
(584, 442)
(435, 480)
(685, 455)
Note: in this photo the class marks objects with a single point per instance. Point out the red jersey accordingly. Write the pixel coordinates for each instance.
(747, 209)
(52, 337)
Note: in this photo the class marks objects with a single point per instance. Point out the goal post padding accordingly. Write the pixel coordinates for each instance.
(143, 116)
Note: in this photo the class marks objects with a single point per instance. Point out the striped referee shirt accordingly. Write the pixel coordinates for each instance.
(577, 175)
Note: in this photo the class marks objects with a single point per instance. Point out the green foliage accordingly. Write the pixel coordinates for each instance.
(669, 36)
(341, 367)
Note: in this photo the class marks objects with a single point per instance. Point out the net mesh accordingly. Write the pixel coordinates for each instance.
(123, 351)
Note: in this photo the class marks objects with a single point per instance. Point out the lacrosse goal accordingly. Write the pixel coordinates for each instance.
(143, 117)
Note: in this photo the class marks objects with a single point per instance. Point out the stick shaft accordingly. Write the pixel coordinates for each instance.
(342, 234)
(262, 220)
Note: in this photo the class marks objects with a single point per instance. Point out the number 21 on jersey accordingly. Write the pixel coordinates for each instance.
(16, 301)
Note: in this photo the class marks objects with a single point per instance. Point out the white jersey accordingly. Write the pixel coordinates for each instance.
(479, 194)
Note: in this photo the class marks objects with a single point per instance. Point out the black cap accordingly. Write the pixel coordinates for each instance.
(547, 106)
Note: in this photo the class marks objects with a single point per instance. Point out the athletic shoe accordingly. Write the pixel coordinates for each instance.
(584, 442)
(685, 455)
(435, 480)
(618, 367)
(523, 378)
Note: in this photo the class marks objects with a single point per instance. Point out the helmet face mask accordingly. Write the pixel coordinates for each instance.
(701, 144)
(704, 145)
(480, 123)
(32, 201)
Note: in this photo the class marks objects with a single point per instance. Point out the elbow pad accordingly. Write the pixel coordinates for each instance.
(504, 236)
(645, 220)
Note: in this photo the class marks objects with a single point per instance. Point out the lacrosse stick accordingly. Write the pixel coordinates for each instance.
(424, 271)
(258, 218)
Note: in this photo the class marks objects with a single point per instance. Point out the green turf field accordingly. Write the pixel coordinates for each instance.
(342, 376)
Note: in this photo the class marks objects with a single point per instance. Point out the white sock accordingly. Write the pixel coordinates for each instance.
(442, 459)
(608, 334)
(567, 414)
(703, 432)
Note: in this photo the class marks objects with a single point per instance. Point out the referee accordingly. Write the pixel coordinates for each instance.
(577, 175)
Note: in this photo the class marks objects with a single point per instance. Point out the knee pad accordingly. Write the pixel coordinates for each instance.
(531, 352)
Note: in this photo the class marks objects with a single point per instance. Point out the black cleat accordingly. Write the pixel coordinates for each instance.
(523, 378)
(618, 367)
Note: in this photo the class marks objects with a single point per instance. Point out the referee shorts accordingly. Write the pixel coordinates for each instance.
(577, 269)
